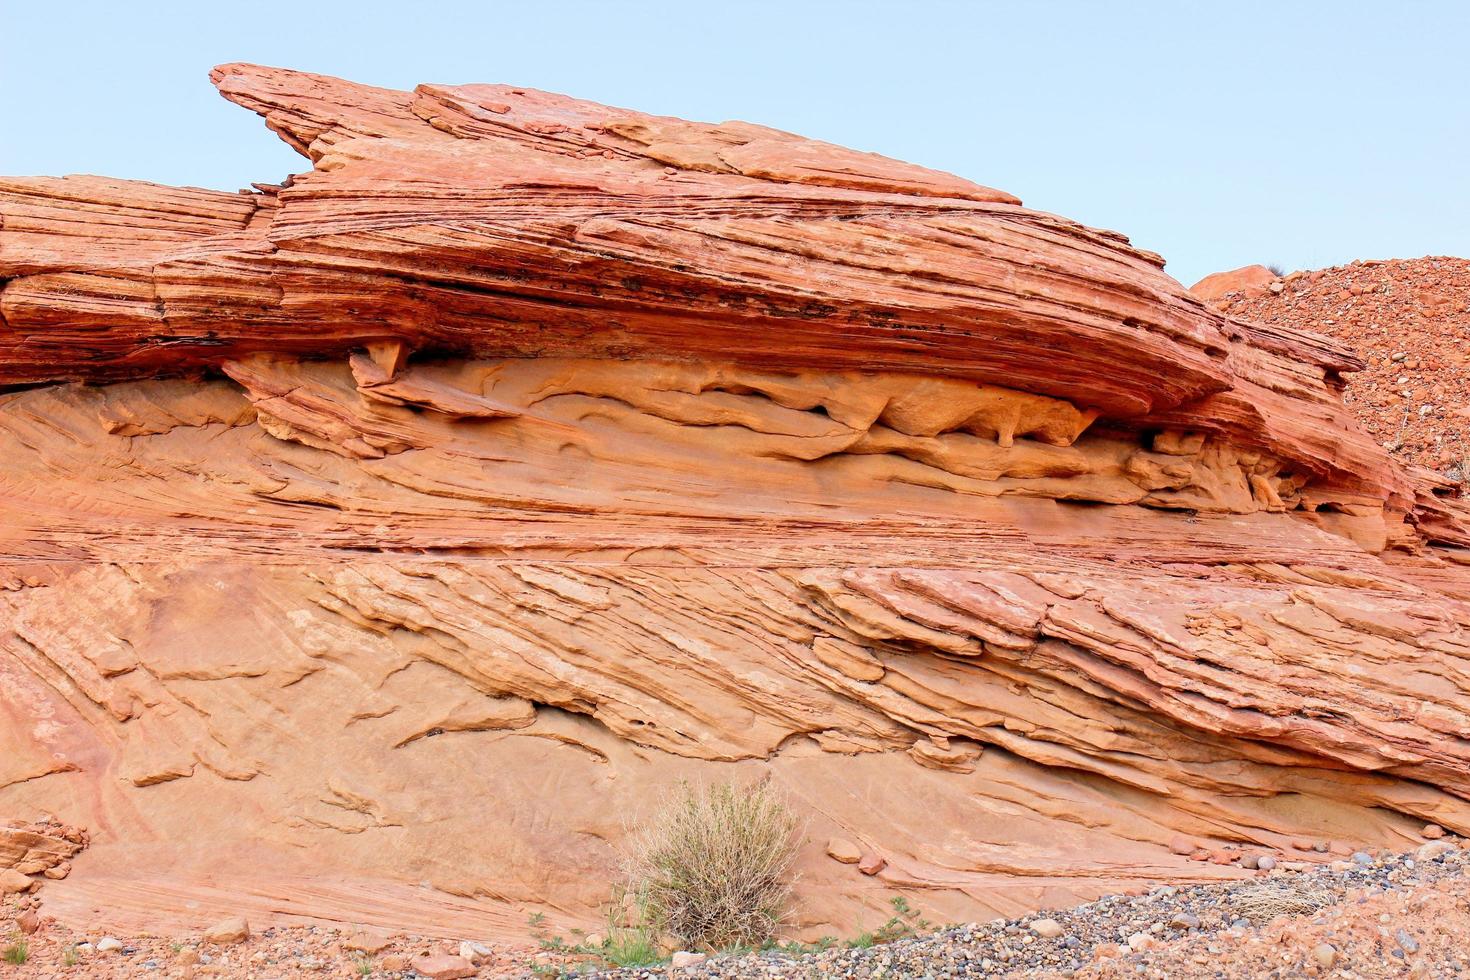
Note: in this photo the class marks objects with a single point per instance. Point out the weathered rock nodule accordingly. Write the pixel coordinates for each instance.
(422, 519)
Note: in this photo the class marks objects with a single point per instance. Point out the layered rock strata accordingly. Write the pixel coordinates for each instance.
(380, 545)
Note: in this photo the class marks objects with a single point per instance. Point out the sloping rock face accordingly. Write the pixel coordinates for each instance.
(381, 545)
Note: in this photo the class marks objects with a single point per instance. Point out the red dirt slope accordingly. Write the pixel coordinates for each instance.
(1409, 320)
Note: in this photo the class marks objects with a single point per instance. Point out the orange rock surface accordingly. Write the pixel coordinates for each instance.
(380, 546)
(1252, 279)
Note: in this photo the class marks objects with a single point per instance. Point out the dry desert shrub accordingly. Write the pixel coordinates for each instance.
(1262, 903)
(713, 869)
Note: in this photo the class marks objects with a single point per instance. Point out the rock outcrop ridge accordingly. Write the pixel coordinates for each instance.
(418, 520)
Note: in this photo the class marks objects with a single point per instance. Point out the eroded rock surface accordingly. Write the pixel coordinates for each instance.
(421, 520)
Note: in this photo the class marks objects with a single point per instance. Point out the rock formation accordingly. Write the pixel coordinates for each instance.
(379, 545)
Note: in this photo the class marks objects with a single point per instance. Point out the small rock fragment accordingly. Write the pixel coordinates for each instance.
(844, 851)
(684, 958)
(109, 944)
(871, 864)
(366, 941)
(439, 966)
(476, 953)
(1325, 955)
(1046, 928)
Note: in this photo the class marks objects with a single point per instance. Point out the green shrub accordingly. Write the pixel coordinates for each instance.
(713, 869)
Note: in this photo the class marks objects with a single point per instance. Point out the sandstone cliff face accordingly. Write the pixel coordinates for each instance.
(378, 546)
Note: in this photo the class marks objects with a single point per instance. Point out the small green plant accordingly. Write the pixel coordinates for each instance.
(17, 952)
(713, 869)
(906, 921)
(536, 925)
(622, 945)
(631, 947)
(69, 956)
(364, 966)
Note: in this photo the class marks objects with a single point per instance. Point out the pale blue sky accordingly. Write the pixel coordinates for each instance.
(1222, 134)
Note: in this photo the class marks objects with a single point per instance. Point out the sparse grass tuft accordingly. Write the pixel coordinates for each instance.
(713, 870)
(631, 946)
(622, 945)
(905, 922)
(16, 953)
(69, 956)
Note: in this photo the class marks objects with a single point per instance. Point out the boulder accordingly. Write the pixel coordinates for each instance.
(12, 882)
(1250, 280)
(1047, 928)
(228, 932)
(1434, 849)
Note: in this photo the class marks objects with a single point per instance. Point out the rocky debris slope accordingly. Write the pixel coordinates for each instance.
(1409, 322)
(376, 547)
(231, 949)
(1392, 915)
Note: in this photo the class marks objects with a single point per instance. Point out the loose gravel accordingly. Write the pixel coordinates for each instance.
(1195, 931)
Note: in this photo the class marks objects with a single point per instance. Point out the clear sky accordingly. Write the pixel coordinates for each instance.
(1218, 134)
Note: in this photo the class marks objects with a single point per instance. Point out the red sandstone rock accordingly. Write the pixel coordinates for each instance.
(429, 515)
(443, 967)
(34, 848)
(1250, 280)
(12, 882)
(228, 932)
